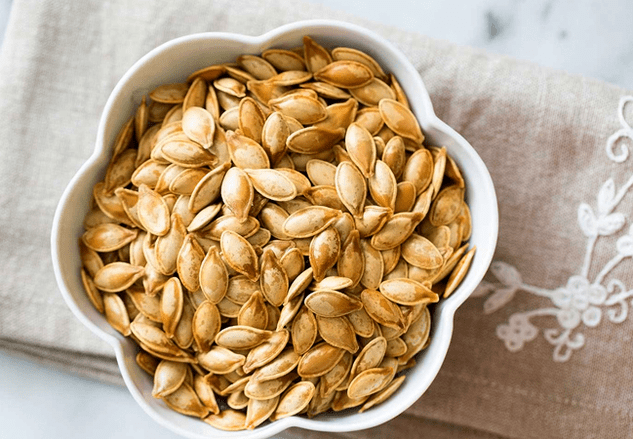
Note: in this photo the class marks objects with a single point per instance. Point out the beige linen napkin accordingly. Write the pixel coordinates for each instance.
(545, 349)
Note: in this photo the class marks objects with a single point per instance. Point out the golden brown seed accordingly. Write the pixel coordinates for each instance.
(373, 92)
(381, 309)
(351, 263)
(374, 266)
(321, 172)
(459, 272)
(407, 292)
(267, 351)
(227, 420)
(230, 86)
(273, 279)
(272, 184)
(369, 382)
(316, 56)
(294, 400)
(263, 390)
(347, 53)
(396, 230)
(189, 262)
(239, 254)
(254, 312)
(116, 313)
(208, 189)
(157, 343)
(251, 119)
(185, 401)
(319, 360)
(259, 410)
(340, 115)
(324, 252)
(242, 337)
(330, 303)
(419, 251)
(117, 276)
(206, 325)
(309, 221)
(256, 66)
(400, 119)
(361, 148)
(447, 205)
(153, 212)
(108, 237)
(338, 332)
(219, 360)
(245, 152)
(169, 93)
(383, 185)
(305, 109)
(187, 153)
(196, 95)
(303, 331)
(345, 74)
(171, 305)
(314, 139)
(351, 187)
(284, 60)
(168, 377)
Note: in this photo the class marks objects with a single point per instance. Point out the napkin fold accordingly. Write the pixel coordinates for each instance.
(544, 348)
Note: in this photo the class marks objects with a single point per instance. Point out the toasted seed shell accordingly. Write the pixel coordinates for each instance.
(168, 246)
(351, 187)
(383, 185)
(198, 125)
(282, 365)
(319, 360)
(340, 115)
(219, 360)
(381, 309)
(184, 400)
(400, 119)
(289, 310)
(362, 323)
(347, 53)
(206, 325)
(373, 92)
(256, 66)
(205, 392)
(117, 276)
(284, 60)
(242, 337)
(168, 377)
(259, 410)
(266, 352)
(421, 252)
(273, 279)
(305, 109)
(294, 400)
(407, 292)
(447, 205)
(304, 331)
(264, 390)
(338, 332)
(369, 382)
(169, 93)
(316, 56)
(237, 192)
(370, 356)
(208, 189)
(116, 313)
(459, 272)
(91, 291)
(374, 266)
(157, 342)
(108, 237)
(153, 212)
(189, 262)
(251, 119)
(309, 221)
(227, 420)
(254, 312)
(384, 394)
(272, 184)
(171, 305)
(361, 148)
(396, 230)
(419, 170)
(325, 249)
(345, 74)
(246, 153)
(186, 153)
(120, 170)
(314, 139)
(351, 263)
(239, 254)
(332, 303)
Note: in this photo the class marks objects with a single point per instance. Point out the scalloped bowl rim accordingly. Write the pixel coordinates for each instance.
(442, 326)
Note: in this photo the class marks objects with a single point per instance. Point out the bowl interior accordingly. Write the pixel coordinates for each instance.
(173, 62)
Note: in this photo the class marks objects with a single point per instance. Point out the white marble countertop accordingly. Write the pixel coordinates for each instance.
(582, 37)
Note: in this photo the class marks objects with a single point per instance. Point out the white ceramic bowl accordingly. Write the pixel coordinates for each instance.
(172, 62)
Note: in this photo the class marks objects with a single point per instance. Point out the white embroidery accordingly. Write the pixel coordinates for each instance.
(580, 300)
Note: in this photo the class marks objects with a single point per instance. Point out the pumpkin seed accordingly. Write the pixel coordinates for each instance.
(294, 400)
(227, 420)
(198, 125)
(273, 279)
(351, 187)
(381, 309)
(330, 303)
(239, 254)
(361, 148)
(345, 74)
(267, 351)
(189, 262)
(316, 56)
(400, 119)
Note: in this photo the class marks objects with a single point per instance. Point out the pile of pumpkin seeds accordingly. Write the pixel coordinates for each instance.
(270, 232)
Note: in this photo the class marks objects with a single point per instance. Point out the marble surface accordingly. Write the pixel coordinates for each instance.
(583, 37)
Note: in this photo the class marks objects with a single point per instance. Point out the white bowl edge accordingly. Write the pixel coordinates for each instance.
(442, 327)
